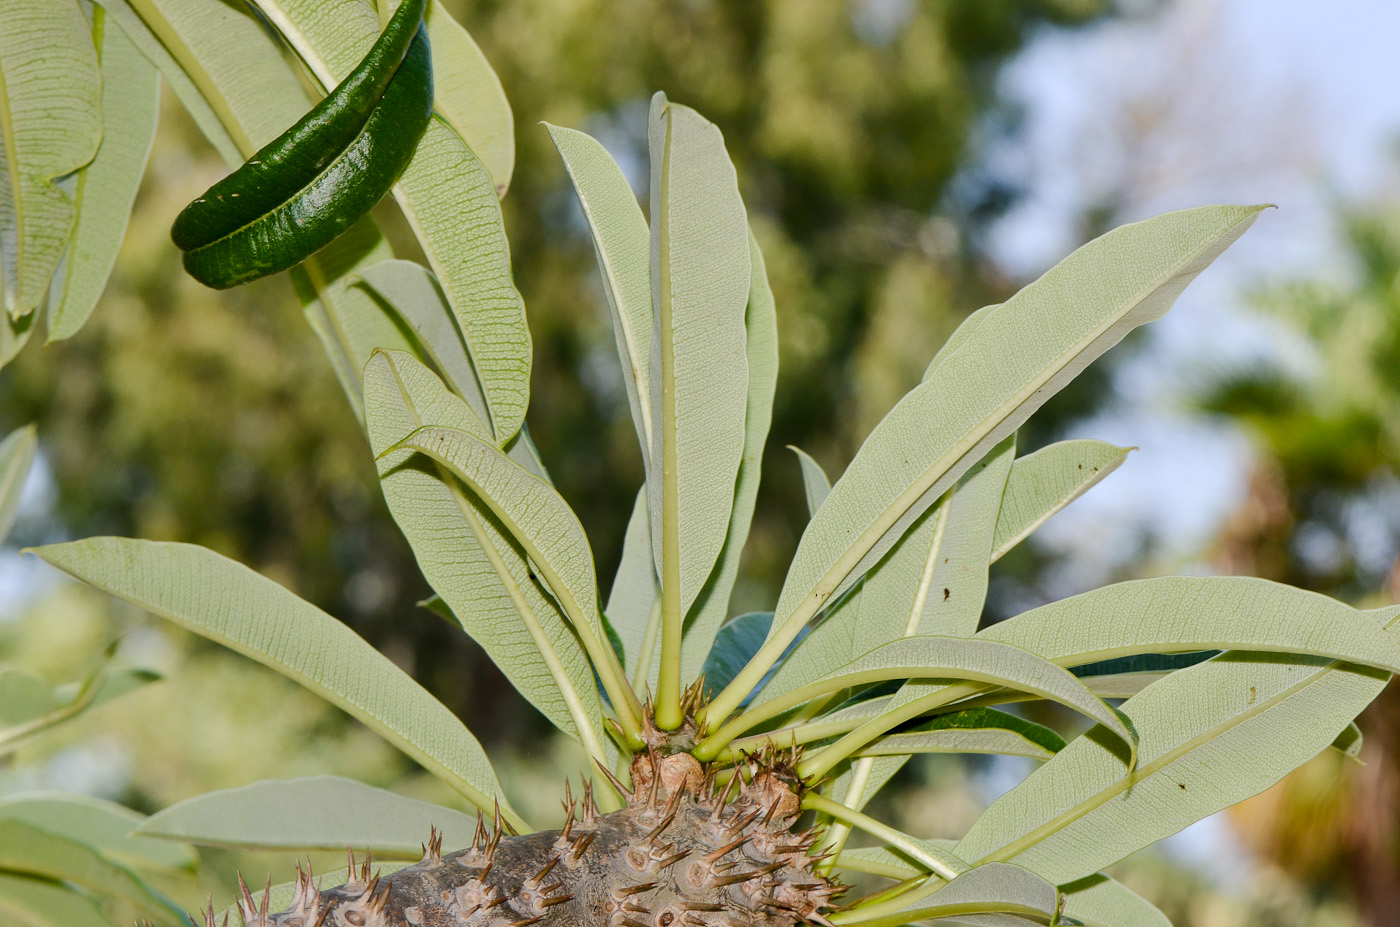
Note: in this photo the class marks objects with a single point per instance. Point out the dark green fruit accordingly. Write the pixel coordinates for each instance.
(321, 176)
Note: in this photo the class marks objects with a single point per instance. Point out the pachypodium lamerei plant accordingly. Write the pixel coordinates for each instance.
(731, 757)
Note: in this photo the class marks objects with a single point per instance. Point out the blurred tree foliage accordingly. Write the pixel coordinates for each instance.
(212, 417)
(1323, 512)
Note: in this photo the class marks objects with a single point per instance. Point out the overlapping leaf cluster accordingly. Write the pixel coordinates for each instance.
(873, 651)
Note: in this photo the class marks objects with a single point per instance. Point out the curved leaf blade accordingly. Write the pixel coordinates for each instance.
(632, 607)
(975, 730)
(1017, 356)
(234, 606)
(106, 186)
(622, 243)
(469, 96)
(309, 814)
(1099, 901)
(815, 484)
(103, 825)
(1210, 736)
(1181, 614)
(50, 125)
(994, 895)
(40, 903)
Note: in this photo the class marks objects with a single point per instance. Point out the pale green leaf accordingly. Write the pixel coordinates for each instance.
(39, 903)
(450, 202)
(1209, 736)
(1179, 614)
(1044, 482)
(23, 696)
(412, 292)
(622, 243)
(465, 553)
(304, 815)
(33, 708)
(14, 335)
(815, 484)
(992, 895)
(30, 850)
(976, 730)
(711, 607)
(700, 276)
(959, 335)
(232, 605)
(1019, 355)
(103, 825)
(105, 188)
(547, 530)
(633, 608)
(16, 457)
(50, 125)
(1099, 901)
(946, 658)
(468, 94)
(1349, 742)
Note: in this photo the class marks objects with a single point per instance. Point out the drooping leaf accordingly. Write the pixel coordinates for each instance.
(946, 658)
(105, 188)
(632, 604)
(50, 125)
(316, 180)
(1210, 736)
(315, 813)
(711, 606)
(469, 557)
(103, 825)
(1181, 614)
(700, 277)
(232, 605)
(1019, 355)
(1099, 901)
(16, 457)
(547, 530)
(41, 903)
(449, 199)
(1044, 482)
(815, 484)
(622, 243)
(976, 730)
(30, 850)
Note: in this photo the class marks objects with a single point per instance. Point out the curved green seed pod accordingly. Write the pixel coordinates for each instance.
(303, 189)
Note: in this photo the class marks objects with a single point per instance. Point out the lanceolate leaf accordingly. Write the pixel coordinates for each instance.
(41, 903)
(30, 850)
(622, 242)
(103, 825)
(1019, 354)
(16, 457)
(50, 125)
(711, 607)
(1179, 614)
(1210, 736)
(232, 605)
(468, 556)
(549, 534)
(938, 658)
(450, 201)
(106, 187)
(1099, 901)
(1046, 481)
(310, 184)
(700, 276)
(304, 815)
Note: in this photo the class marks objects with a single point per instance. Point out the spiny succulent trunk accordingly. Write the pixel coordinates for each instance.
(679, 855)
